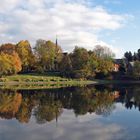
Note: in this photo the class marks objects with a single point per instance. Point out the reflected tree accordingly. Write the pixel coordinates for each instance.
(47, 105)
(48, 111)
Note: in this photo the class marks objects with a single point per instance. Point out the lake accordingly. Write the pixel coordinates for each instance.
(99, 112)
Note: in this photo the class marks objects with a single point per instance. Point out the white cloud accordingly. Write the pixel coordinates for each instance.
(7, 5)
(73, 22)
(68, 127)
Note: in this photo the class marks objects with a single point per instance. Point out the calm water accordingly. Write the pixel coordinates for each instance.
(76, 113)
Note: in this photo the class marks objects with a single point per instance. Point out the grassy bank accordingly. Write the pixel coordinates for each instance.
(40, 81)
(36, 81)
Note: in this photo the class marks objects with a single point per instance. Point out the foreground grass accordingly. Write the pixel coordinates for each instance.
(32, 78)
(38, 81)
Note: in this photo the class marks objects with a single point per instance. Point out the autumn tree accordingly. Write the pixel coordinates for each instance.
(9, 60)
(5, 64)
(24, 50)
(47, 111)
(16, 63)
(24, 112)
(86, 64)
(9, 64)
(104, 66)
(48, 54)
(9, 104)
(7, 48)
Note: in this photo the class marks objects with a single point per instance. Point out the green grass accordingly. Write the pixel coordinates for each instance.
(41, 81)
(32, 78)
(39, 86)
(36, 81)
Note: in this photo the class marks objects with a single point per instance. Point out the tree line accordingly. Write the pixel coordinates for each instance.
(132, 56)
(134, 59)
(47, 56)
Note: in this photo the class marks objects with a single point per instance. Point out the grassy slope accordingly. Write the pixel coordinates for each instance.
(36, 81)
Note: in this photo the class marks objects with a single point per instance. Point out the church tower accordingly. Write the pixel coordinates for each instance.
(56, 43)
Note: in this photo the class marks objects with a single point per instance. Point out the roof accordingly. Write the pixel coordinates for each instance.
(118, 61)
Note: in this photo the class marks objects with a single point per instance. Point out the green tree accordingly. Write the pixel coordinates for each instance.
(135, 56)
(128, 56)
(65, 65)
(104, 66)
(47, 111)
(48, 55)
(80, 58)
(136, 68)
(93, 63)
(104, 60)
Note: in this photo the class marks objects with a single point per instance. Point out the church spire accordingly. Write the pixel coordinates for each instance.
(56, 43)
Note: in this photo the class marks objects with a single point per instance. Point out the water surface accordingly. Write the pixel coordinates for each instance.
(76, 113)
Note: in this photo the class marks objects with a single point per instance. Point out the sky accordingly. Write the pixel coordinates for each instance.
(83, 23)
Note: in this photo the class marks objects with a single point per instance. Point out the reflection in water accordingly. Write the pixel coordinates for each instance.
(32, 114)
(9, 105)
(47, 105)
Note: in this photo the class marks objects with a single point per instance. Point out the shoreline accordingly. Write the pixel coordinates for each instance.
(42, 85)
(53, 85)
(36, 81)
(48, 83)
(96, 81)
(118, 82)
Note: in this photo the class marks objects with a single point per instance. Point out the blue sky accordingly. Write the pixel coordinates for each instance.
(127, 37)
(86, 23)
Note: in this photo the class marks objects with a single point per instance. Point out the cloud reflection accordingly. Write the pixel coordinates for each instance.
(64, 130)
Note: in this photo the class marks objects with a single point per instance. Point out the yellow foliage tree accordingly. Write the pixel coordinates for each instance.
(23, 48)
(9, 64)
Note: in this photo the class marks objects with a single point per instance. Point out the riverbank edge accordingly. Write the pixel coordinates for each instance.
(48, 83)
(45, 82)
(71, 82)
(43, 85)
